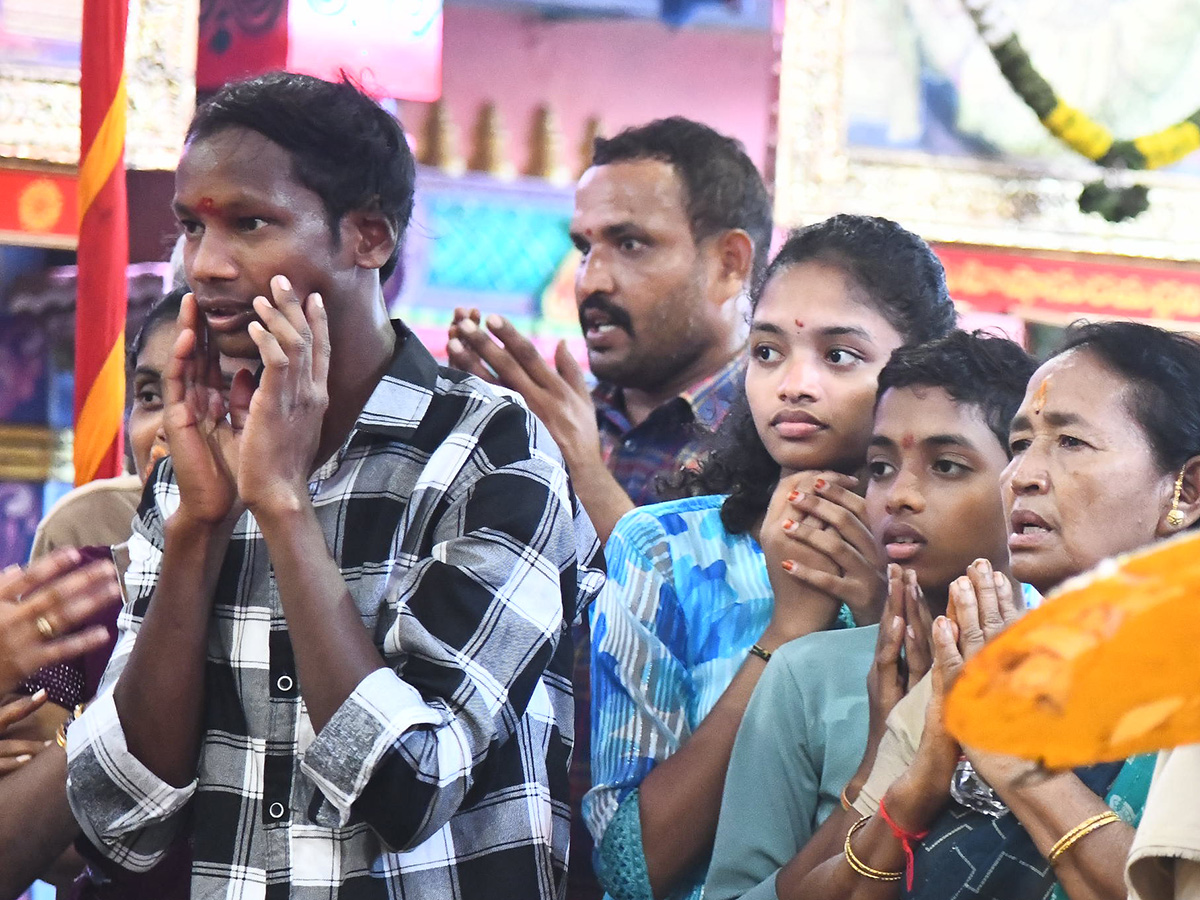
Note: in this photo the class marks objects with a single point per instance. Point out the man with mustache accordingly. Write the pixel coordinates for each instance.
(672, 220)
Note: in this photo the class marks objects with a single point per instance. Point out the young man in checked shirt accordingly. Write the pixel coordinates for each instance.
(345, 663)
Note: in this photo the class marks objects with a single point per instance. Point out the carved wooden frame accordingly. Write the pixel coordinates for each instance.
(39, 107)
(947, 199)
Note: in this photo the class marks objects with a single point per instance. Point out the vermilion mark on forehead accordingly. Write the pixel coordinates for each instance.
(1040, 395)
(908, 442)
(799, 324)
(207, 205)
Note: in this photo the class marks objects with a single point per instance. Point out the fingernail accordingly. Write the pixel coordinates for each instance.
(912, 633)
(47, 743)
(317, 301)
(283, 282)
(24, 757)
(466, 326)
(819, 484)
(983, 565)
(793, 495)
(893, 570)
(997, 579)
(897, 623)
(494, 322)
(39, 695)
(788, 524)
(788, 565)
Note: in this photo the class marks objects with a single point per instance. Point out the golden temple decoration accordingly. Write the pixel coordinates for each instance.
(490, 151)
(439, 141)
(592, 129)
(545, 148)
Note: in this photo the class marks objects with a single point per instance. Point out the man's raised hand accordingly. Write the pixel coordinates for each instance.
(279, 423)
(203, 449)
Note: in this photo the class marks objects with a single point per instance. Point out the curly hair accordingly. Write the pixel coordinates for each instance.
(901, 279)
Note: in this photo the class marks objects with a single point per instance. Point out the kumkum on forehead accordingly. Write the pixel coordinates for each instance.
(1041, 395)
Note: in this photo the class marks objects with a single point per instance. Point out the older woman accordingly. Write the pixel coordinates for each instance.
(1105, 460)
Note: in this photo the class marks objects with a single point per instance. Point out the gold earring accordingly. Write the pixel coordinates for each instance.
(1175, 518)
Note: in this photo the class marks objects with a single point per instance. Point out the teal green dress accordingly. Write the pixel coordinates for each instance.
(800, 742)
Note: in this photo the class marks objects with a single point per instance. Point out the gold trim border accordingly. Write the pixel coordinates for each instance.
(39, 109)
(946, 199)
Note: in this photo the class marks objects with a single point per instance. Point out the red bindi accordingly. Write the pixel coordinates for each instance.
(908, 442)
(799, 324)
(207, 205)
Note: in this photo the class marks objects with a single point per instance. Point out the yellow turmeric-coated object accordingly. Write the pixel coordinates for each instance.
(1107, 667)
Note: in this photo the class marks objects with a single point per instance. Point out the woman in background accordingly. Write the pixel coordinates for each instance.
(1106, 459)
(702, 590)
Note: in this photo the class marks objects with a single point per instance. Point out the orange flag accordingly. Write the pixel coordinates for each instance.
(100, 303)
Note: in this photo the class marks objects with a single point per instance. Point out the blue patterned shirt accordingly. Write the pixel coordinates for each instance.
(684, 602)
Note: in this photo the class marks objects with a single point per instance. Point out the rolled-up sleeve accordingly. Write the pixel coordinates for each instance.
(122, 807)
(472, 624)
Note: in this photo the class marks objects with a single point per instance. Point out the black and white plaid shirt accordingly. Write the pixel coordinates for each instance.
(441, 776)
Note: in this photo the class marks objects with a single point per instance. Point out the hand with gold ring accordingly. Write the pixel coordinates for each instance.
(43, 604)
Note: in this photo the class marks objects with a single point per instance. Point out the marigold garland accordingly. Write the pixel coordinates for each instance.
(1076, 128)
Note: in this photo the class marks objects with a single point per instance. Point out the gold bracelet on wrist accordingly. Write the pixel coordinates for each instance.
(60, 736)
(847, 805)
(1084, 828)
(861, 867)
(764, 655)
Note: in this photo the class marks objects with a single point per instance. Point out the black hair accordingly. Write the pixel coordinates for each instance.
(898, 276)
(722, 187)
(1163, 371)
(985, 370)
(345, 148)
(162, 310)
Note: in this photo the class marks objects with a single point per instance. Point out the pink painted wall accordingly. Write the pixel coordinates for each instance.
(625, 71)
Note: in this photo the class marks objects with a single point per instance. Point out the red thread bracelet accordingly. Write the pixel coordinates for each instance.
(906, 839)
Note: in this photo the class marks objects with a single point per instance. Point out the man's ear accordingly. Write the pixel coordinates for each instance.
(734, 252)
(371, 236)
(1189, 499)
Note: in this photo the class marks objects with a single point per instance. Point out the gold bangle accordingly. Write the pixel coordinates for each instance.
(861, 867)
(846, 804)
(764, 655)
(60, 736)
(1084, 828)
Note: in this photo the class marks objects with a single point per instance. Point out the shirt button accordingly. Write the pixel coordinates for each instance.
(276, 810)
(284, 683)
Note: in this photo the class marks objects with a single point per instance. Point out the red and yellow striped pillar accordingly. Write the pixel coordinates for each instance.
(101, 300)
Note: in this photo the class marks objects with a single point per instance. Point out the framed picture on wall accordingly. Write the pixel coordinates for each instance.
(39, 80)
(897, 108)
